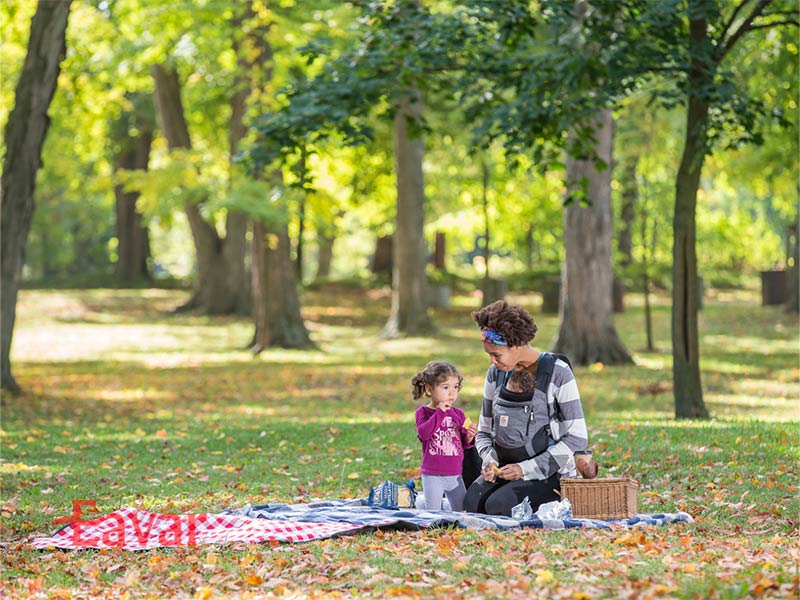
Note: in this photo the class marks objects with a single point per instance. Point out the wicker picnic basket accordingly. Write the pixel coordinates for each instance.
(602, 498)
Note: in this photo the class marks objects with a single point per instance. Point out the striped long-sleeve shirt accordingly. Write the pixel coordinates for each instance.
(568, 428)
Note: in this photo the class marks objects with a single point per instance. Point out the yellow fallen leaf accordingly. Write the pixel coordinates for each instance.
(544, 576)
(203, 593)
(253, 579)
(353, 476)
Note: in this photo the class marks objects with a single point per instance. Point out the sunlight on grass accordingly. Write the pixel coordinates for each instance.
(751, 344)
(655, 363)
(18, 467)
(129, 395)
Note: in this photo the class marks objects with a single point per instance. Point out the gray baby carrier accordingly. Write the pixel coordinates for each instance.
(521, 422)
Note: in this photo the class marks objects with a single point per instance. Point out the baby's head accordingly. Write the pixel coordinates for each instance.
(521, 382)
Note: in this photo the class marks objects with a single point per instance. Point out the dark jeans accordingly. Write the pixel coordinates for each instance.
(499, 497)
(471, 466)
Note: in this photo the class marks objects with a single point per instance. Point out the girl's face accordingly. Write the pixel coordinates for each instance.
(444, 392)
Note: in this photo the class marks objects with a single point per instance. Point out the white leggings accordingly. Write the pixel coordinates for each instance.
(436, 487)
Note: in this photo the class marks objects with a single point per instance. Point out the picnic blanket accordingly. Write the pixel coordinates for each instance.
(133, 529)
(357, 512)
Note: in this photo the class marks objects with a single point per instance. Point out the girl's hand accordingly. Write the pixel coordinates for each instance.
(444, 406)
(511, 472)
(472, 431)
(489, 472)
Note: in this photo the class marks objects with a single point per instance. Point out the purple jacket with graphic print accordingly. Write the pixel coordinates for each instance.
(443, 440)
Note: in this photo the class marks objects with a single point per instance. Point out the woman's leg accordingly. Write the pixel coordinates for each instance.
(502, 500)
(478, 492)
(470, 466)
(433, 490)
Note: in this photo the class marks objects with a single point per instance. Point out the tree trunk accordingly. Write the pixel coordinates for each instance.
(325, 254)
(487, 234)
(688, 390)
(220, 261)
(792, 279)
(627, 212)
(383, 257)
(301, 219)
(275, 299)
(260, 289)
(24, 136)
(587, 333)
(439, 250)
(133, 250)
(409, 315)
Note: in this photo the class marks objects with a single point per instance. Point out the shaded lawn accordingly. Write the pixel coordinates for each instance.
(130, 405)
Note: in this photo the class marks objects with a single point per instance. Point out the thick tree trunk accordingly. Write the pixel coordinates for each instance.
(688, 390)
(24, 135)
(587, 333)
(133, 249)
(220, 268)
(409, 315)
(275, 299)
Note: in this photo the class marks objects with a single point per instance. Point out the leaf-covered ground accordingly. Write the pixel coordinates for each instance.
(128, 404)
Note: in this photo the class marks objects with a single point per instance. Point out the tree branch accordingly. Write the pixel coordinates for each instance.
(744, 27)
(794, 22)
(729, 24)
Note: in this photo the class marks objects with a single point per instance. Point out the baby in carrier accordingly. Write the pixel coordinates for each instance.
(522, 383)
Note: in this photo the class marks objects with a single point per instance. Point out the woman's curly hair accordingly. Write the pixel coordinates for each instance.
(434, 372)
(512, 322)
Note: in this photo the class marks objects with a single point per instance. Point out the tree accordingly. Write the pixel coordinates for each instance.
(274, 278)
(220, 259)
(386, 74)
(24, 135)
(711, 37)
(409, 313)
(587, 333)
(133, 153)
(685, 47)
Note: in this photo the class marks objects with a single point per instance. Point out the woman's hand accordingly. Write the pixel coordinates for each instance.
(489, 472)
(472, 431)
(511, 472)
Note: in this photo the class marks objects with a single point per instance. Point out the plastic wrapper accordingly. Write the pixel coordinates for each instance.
(558, 509)
(522, 511)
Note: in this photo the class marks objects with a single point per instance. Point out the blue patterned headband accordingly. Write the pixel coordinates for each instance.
(493, 337)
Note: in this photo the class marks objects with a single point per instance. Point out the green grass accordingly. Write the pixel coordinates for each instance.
(129, 404)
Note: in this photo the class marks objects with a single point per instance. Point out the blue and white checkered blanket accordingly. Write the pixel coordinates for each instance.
(357, 512)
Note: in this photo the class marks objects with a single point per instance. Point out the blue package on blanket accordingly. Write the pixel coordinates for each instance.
(391, 495)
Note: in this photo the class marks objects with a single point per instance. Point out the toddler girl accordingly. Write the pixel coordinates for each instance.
(441, 429)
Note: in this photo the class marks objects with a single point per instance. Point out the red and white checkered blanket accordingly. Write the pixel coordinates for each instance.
(133, 529)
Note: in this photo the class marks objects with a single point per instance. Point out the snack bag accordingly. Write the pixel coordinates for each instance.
(393, 496)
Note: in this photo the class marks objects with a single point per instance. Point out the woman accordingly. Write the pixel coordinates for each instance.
(524, 440)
